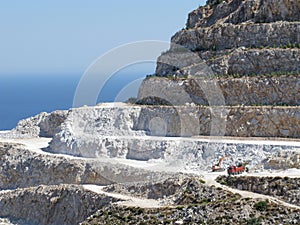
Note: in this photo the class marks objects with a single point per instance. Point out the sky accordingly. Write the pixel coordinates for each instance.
(66, 36)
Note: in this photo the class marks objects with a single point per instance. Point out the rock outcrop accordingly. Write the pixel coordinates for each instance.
(232, 24)
(41, 125)
(45, 205)
(157, 189)
(283, 160)
(246, 52)
(239, 11)
(228, 36)
(22, 168)
(250, 91)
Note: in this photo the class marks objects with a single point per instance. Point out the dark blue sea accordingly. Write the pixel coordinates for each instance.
(22, 96)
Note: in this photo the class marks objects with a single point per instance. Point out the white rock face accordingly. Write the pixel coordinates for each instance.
(97, 131)
(118, 130)
(110, 130)
(41, 125)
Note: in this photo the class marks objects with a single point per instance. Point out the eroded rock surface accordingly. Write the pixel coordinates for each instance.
(141, 138)
(239, 11)
(283, 160)
(41, 125)
(20, 168)
(243, 51)
(45, 205)
(250, 91)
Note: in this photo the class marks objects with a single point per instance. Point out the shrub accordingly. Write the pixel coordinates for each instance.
(132, 100)
(180, 207)
(261, 206)
(202, 181)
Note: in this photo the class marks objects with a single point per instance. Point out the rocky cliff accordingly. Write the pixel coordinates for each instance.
(233, 71)
(239, 11)
(249, 91)
(248, 52)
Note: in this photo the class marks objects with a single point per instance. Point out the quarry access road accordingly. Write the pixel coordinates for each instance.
(210, 179)
(126, 200)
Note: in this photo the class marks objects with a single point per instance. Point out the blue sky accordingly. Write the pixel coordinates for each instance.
(65, 37)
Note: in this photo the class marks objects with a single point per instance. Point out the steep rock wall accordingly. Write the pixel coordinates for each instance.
(249, 91)
(239, 11)
(255, 41)
(238, 62)
(229, 36)
(239, 121)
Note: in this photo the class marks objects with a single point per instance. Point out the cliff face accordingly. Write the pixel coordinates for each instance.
(149, 132)
(239, 11)
(233, 56)
(234, 23)
(249, 91)
(251, 49)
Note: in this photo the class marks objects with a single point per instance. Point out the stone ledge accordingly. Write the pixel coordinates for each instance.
(237, 62)
(229, 36)
(257, 90)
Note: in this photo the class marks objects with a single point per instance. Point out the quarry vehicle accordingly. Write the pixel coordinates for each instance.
(238, 169)
(218, 167)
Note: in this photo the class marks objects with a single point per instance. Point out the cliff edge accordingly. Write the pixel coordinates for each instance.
(248, 50)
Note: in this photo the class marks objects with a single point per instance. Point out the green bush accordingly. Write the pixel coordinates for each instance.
(132, 100)
(202, 181)
(261, 206)
(180, 207)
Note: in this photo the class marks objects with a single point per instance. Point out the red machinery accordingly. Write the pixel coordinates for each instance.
(240, 168)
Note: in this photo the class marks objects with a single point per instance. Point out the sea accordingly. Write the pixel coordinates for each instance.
(22, 96)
